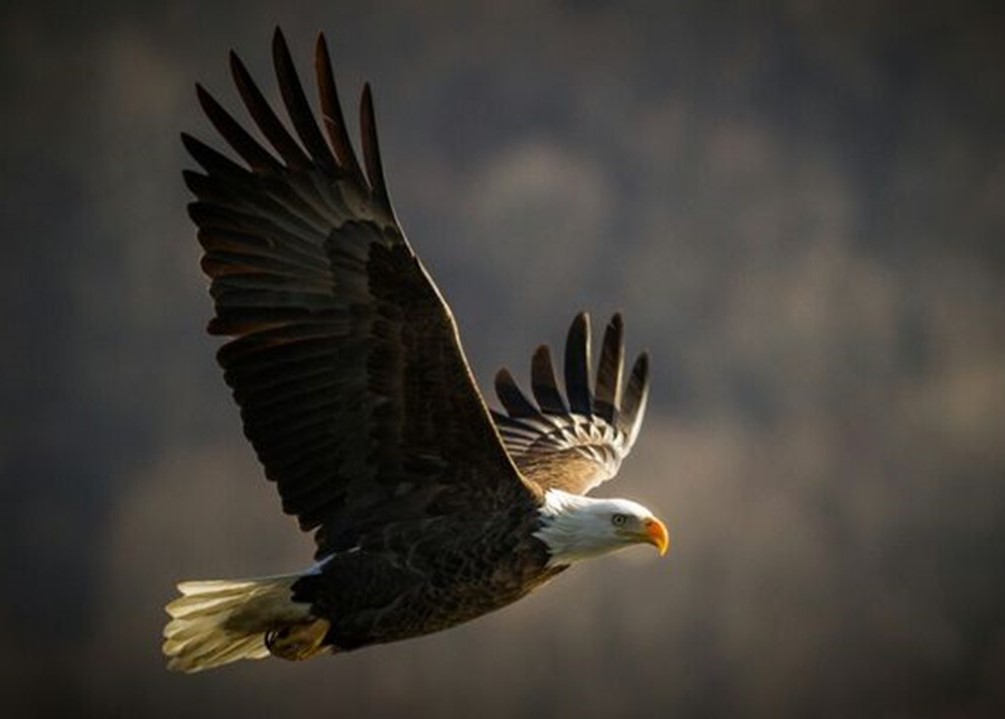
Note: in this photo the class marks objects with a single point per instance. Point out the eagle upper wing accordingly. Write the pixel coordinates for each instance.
(344, 358)
(577, 446)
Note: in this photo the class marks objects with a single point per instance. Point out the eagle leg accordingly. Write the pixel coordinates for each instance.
(300, 641)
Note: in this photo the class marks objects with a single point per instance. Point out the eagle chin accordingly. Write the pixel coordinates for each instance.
(428, 508)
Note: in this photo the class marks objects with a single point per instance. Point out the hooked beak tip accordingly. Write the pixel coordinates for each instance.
(658, 535)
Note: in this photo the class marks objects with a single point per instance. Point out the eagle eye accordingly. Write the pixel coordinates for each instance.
(619, 519)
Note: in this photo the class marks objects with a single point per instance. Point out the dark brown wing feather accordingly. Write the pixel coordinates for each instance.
(574, 449)
(345, 360)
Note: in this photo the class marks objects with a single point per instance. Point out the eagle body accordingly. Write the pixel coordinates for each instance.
(426, 578)
(428, 509)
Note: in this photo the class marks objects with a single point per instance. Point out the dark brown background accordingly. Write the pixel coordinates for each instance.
(800, 209)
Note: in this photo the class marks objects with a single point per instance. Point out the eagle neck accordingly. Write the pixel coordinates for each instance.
(565, 528)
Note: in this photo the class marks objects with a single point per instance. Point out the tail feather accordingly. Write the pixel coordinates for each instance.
(221, 621)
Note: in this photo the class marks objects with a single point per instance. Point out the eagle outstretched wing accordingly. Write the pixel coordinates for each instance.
(577, 446)
(344, 358)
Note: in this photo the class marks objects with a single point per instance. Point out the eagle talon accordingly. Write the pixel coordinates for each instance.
(297, 642)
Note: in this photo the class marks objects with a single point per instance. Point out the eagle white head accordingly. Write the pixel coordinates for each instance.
(575, 527)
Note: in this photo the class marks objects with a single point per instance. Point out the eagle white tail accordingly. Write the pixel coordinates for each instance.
(221, 621)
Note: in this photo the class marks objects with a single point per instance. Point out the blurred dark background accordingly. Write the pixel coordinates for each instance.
(800, 208)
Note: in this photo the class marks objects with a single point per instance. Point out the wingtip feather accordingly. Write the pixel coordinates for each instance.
(577, 366)
(636, 397)
(610, 370)
(512, 397)
(371, 148)
(331, 109)
(544, 383)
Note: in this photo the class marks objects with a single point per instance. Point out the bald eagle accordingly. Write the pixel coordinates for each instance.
(428, 508)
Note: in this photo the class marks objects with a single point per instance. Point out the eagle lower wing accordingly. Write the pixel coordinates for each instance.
(577, 445)
(344, 358)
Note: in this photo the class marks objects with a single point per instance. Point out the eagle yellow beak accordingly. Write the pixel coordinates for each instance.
(657, 535)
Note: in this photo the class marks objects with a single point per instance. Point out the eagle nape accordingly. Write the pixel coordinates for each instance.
(427, 508)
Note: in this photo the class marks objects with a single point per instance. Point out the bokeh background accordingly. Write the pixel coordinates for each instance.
(800, 208)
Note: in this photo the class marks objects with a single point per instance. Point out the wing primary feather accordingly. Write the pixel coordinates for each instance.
(244, 144)
(636, 396)
(610, 370)
(331, 109)
(197, 182)
(542, 377)
(577, 366)
(297, 106)
(211, 161)
(371, 149)
(265, 118)
(512, 397)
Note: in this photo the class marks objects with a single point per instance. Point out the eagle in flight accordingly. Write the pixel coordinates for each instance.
(428, 508)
